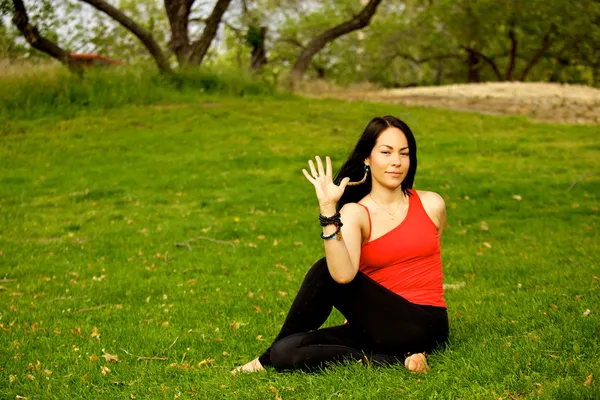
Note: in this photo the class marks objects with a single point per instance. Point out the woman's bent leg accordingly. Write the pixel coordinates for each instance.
(382, 322)
(312, 350)
(310, 308)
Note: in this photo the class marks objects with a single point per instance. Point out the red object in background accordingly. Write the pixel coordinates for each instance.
(90, 60)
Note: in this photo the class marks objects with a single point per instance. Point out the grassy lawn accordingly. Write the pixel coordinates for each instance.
(174, 237)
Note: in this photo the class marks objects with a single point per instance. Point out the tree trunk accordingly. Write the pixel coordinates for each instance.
(513, 54)
(486, 59)
(546, 42)
(178, 12)
(259, 55)
(33, 37)
(145, 37)
(472, 70)
(319, 42)
(200, 47)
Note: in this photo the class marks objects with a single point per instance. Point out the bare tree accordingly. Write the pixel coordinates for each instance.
(359, 21)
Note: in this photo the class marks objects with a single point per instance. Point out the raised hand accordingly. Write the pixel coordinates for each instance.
(327, 192)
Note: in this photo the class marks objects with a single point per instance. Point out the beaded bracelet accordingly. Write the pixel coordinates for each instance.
(334, 220)
(336, 235)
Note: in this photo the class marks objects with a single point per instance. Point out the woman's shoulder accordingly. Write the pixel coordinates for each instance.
(432, 201)
(430, 197)
(353, 209)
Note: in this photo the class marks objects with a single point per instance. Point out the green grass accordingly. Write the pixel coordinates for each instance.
(91, 209)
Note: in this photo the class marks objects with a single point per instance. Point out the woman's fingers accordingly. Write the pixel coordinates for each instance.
(328, 171)
(307, 175)
(320, 166)
(344, 183)
(313, 171)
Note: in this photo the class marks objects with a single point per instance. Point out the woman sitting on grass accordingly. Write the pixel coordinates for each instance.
(382, 268)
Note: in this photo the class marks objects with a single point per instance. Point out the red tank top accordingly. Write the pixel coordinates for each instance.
(407, 260)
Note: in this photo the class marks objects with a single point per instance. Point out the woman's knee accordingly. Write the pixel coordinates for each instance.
(319, 268)
(284, 353)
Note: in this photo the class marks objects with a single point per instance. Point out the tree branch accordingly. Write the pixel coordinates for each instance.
(546, 42)
(141, 33)
(33, 37)
(486, 59)
(200, 47)
(513, 53)
(359, 21)
(426, 59)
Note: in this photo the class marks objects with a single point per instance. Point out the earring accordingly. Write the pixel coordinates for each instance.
(363, 180)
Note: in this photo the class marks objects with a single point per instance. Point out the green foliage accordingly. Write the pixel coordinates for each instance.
(91, 209)
(417, 42)
(57, 92)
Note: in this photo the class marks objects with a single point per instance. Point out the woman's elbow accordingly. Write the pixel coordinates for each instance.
(344, 279)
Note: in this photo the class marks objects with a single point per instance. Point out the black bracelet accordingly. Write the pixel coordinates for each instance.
(335, 235)
(334, 220)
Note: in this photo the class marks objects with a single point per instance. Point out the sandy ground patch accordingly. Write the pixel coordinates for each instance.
(549, 102)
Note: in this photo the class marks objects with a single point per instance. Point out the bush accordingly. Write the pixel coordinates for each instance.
(34, 91)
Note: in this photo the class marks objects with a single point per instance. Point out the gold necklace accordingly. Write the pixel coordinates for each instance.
(391, 215)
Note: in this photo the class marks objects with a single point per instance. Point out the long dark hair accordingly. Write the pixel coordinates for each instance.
(354, 167)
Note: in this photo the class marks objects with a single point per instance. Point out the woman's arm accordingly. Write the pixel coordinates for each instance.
(343, 256)
(435, 207)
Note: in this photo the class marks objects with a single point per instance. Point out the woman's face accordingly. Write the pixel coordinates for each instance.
(389, 159)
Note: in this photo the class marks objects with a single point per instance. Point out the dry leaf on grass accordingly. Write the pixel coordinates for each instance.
(456, 285)
(206, 362)
(282, 267)
(47, 372)
(587, 312)
(95, 333)
(105, 370)
(111, 358)
(588, 381)
(517, 197)
(282, 293)
(274, 390)
(36, 366)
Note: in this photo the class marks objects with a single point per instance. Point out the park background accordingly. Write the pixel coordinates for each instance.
(155, 225)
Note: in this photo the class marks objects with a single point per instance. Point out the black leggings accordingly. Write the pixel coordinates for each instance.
(382, 328)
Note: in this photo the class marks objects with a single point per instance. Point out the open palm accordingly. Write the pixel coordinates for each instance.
(327, 192)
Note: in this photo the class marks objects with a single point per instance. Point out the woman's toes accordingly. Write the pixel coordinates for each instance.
(252, 366)
(417, 363)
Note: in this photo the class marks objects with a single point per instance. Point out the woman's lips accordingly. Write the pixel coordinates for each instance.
(394, 173)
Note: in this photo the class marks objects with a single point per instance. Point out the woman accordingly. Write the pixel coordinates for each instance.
(382, 268)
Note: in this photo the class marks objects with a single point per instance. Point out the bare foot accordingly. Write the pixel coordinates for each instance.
(417, 363)
(252, 366)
